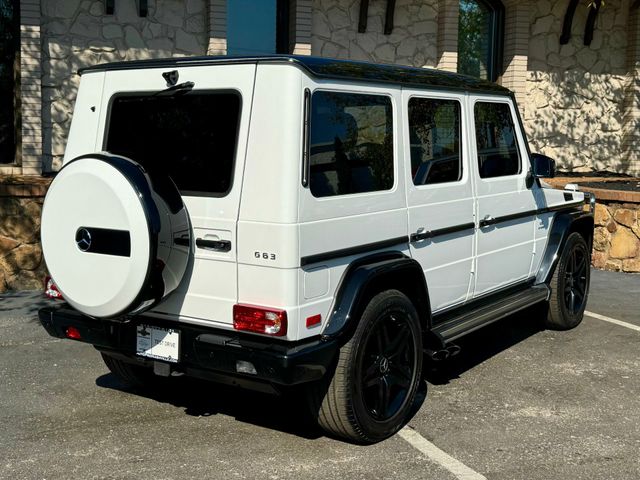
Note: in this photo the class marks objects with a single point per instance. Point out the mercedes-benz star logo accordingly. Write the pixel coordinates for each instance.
(83, 239)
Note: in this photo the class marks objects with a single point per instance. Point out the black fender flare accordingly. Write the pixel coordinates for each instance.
(368, 276)
(564, 223)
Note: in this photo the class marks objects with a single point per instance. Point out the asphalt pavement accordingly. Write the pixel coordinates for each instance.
(519, 402)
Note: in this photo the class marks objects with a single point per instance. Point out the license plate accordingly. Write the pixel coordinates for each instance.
(158, 343)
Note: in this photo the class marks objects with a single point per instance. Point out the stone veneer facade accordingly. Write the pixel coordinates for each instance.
(616, 241)
(575, 96)
(76, 34)
(581, 105)
(21, 263)
(60, 36)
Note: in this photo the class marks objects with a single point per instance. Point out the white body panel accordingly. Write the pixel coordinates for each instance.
(273, 221)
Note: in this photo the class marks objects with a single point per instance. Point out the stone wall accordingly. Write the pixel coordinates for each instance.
(334, 32)
(616, 241)
(21, 263)
(77, 33)
(575, 94)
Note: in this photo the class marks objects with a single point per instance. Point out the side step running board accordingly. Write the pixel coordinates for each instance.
(455, 327)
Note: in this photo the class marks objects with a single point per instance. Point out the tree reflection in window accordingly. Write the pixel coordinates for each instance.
(480, 31)
(9, 44)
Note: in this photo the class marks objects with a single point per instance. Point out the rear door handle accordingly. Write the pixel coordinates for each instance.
(421, 234)
(217, 245)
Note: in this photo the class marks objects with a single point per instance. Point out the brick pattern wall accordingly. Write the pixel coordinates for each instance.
(448, 35)
(516, 48)
(631, 119)
(217, 27)
(300, 17)
(31, 87)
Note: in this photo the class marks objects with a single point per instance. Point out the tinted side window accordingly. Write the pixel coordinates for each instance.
(496, 140)
(192, 137)
(434, 134)
(351, 144)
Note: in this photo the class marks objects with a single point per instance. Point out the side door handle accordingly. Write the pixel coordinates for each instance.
(487, 220)
(217, 245)
(421, 234)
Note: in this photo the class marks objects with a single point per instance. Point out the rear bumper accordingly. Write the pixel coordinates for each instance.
(204, 352)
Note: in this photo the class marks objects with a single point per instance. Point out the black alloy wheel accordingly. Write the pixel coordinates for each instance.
(371, 394)
(388, 365)
(575, 281)
(569, 285)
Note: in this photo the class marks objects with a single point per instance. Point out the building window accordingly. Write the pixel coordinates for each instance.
(480, 38)
(9, 68)
(257, 27)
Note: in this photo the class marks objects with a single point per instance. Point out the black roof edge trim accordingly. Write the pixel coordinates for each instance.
(329, 68)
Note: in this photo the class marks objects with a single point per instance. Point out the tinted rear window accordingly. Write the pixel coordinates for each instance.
(351, 143)
(192, 138)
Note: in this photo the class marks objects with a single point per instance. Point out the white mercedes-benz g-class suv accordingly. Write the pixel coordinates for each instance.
(280, 220)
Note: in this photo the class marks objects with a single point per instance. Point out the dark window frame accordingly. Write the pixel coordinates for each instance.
(15, 117)
(495, 65)
(307, 128)
(516, 124)
(460, 140)
(211, 91)
(283, 12)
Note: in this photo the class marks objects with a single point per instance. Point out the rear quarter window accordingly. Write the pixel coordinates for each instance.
(351, 143)
(192, 138)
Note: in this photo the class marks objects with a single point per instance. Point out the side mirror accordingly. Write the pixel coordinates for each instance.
(542, 166)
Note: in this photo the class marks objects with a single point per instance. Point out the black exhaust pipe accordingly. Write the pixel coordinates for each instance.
(437, 355)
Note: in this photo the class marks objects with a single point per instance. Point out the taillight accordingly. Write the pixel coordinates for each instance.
(250, 318)
(51, 290)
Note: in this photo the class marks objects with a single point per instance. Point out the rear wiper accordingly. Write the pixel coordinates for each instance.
(179, 89)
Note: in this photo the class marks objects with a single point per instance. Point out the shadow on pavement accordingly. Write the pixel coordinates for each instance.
(481, 345)
(286, 413)
(25, 303)
(289, 413)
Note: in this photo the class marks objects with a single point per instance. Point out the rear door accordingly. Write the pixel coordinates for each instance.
(197, 135)
(440, 193)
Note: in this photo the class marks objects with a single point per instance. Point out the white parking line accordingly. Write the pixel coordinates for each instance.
(459, 469)
(630, 326)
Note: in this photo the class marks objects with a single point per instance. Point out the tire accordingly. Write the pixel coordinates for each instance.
(132, 375)
(570, 285)
(370, 395)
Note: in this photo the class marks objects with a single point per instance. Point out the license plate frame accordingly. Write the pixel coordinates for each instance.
(158, 343)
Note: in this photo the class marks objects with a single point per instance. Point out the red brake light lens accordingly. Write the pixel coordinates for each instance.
(51, 290)
(73, 333)
(268, 321)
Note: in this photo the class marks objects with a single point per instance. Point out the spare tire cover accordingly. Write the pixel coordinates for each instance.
(115, 241)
